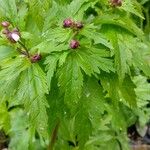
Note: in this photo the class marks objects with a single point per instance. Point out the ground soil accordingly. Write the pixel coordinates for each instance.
(138, 142)
(3, 140)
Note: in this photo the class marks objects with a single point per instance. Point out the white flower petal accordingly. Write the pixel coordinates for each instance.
(15, 37)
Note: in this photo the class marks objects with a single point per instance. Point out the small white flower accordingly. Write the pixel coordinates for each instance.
(15, 37)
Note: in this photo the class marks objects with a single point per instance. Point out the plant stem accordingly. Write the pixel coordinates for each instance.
(25, 48)
(120, 146)
(119, 143)
(75, 33)
(53, 137)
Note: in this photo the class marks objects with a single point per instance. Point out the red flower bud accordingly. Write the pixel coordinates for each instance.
(79, 25)
(5, 24)
(115, 3)
(5, 31)
(35, 58)
(74, 44)
(67, 23)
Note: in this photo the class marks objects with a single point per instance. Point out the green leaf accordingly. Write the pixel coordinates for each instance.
(119, 91)
(34, 30)
(49, 47)
(144, 1)
(50, 17)
(101, 138)
(92, 101)
(6, 52)
(91, 33)
(122, 55)
(110, 84)
(90, 108)
(5, 118)
(22, 12)
(71, 80)
(8, 9)
(84, 8)
(92, 60)
(51, 62)
(128, 91)
(26, 35)
(31, 92)
(57, 35)
(140, 62)
(82, 123)
(75, 6)
(122, 21)
(10, 74)
(140, 53)
(132, 7)
(19, 133)
(36, 6)
(142, 90)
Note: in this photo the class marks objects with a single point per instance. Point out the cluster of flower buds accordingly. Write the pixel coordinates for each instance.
(12, 35)
(116, 3)
(76, 26)
(69, 23)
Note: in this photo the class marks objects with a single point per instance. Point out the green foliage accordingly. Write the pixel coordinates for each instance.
(53, 96)
(31, 92)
